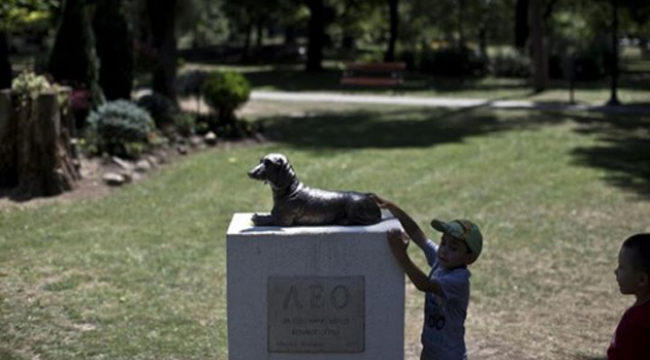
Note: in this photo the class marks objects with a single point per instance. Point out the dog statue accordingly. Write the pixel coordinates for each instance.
(295, 204)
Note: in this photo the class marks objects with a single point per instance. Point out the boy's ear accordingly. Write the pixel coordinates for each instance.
(471, 258)
(644, 279)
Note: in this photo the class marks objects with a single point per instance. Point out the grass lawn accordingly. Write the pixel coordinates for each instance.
(140, 274)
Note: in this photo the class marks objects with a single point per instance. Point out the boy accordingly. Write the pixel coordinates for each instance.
(446, 287)
(631, 340)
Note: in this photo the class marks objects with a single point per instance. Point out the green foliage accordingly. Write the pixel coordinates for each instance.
(161, 108)
(119, 128)
(452, 61)
(17, 14)
(511, 65)
(224, 92)
(191, 83)
(185, 123)
(29, 85)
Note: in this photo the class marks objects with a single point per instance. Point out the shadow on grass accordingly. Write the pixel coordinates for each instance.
(622, 150)
(401, 128)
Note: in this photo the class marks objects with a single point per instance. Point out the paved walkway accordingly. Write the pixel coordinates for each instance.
(438, 102)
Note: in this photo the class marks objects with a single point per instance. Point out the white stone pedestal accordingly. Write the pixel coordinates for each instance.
(317, 293)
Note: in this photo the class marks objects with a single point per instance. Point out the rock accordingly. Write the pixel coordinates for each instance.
(128, 176)
(143, 166)
(162, 157)
(153, 161)
(195, 141)
(182, 149)
(210, 138)
(113, 179)
(123, 164)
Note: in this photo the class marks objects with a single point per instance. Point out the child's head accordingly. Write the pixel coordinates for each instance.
(633, 272)
(461, 243)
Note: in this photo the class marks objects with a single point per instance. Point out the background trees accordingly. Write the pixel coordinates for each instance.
(445, 37)
(16, 15)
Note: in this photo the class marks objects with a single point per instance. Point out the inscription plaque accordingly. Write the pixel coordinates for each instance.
(316, 314)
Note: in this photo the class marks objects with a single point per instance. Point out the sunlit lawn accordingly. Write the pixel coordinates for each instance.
(140, 274)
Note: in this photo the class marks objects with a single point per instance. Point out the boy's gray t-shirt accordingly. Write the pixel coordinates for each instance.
(443, 334)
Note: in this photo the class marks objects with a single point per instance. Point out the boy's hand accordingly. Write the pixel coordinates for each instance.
(398, 242)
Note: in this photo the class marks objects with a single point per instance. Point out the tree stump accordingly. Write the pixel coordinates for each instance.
(41, 146)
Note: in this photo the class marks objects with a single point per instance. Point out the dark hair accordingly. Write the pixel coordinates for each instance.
(640, 244)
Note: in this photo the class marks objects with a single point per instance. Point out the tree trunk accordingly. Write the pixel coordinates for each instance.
(613, 100)
(521, 24)
(114, 39)
(538, 47)
(43, 161)
(247, 42)
(5, 65)
(260, 35)
(162, 17)
(461, 27)
(483, 41)
(8, 169)
(316, 35)
(394, 29)
(73, 60)
(290, 35)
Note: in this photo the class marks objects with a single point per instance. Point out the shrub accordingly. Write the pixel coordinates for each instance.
(224, 92)
(191, 83)
(185, 124)
(452, 61)
(120, 128)
(513, 65)
(29, 85)
(161, 108)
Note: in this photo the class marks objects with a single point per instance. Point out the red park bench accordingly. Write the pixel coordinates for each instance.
(374, 74)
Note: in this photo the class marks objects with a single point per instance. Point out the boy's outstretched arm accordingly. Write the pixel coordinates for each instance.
(398, 244)
(410, 226)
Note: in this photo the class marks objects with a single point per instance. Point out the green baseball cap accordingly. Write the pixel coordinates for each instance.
(464, 230)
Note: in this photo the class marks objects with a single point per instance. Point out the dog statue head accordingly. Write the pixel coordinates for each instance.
(274, 169)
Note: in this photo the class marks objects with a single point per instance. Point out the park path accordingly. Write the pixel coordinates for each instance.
(421, 101)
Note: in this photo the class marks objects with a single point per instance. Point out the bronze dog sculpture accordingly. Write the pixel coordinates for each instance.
(295, 204)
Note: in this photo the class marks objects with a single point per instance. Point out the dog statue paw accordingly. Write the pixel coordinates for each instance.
(295, 204)
(262, 220)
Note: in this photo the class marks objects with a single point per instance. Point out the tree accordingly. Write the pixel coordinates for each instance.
(538, 46)
(14, 16)
(521, 24)
(5, 65)
(393, 7)
(74, 60)
(162, 19)
(114, 38)
(316, 31)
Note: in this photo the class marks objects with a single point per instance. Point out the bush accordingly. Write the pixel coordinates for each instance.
(224, 92)
(185, 124)
(161, 108)
(513, 65)
(452, 61)
(191, 83)
(119, 128)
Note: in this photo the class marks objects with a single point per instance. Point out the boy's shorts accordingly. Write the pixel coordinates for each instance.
(428, 355)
